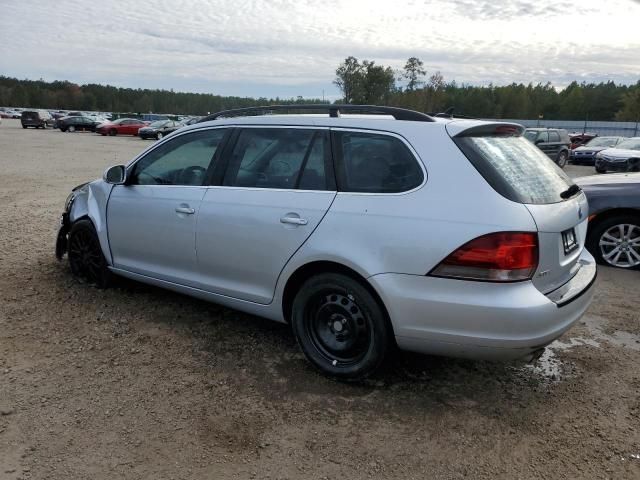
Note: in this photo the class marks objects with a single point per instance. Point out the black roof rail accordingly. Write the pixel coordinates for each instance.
(333, 110)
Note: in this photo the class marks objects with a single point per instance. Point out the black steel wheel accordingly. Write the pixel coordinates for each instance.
(85, 255)
(340, 326)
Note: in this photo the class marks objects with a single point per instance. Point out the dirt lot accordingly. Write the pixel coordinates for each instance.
(138, 383)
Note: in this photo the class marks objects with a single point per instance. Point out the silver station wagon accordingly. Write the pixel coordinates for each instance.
(364, 228)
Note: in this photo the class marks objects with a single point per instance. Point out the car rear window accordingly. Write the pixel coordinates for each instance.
(515, 168)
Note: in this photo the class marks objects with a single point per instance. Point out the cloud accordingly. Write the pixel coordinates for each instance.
(290, 48)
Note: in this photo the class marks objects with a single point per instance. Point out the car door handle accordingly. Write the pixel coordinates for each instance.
(185, 210)
(294, 220)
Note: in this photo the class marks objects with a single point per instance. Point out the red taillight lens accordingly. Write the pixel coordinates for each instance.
(496, 257)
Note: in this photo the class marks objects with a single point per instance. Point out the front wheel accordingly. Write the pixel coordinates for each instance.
(159, 136)
(562, 159)
(113, 132)
(615, 241)
(340, 326)
(85, 255)
(601, 170)
(72, 128)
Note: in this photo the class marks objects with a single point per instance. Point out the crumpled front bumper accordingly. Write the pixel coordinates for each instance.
(61, 238)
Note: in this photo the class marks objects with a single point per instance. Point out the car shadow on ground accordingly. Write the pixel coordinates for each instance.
(258, 355)
(268, 353)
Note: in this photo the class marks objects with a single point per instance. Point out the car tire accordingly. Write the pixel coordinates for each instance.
(601, 170)
(562, 159)
(604, 237)
(159, 136)
(86, 259)
(24, 126)
(71, 128)
(340, 326)
(113, 132)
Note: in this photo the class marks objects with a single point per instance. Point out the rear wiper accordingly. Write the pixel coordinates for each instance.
(570, 192)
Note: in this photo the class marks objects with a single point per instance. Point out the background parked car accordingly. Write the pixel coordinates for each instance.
(624, 157)
(613, 236)
(579, 139)
(71, 124)
(159, 129)
(586, 154)
(122, 126)
(36, 119)
(554, 142)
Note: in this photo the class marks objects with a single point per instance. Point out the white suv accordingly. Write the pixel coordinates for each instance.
(443, 236)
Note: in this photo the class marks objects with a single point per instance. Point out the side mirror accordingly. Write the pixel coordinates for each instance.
(115, 175)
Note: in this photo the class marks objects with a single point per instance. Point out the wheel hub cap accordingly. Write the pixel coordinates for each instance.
(620, 245)
(338, 328)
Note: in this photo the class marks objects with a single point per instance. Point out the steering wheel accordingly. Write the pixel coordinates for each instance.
(193, 175)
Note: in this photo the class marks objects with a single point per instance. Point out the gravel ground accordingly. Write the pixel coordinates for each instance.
(139, 383)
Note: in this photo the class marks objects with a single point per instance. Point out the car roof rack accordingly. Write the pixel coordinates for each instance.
(333, 110)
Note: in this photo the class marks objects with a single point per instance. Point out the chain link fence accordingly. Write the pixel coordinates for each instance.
(624, 129)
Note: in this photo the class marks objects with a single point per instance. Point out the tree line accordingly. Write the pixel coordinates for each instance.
(65, 95)
(363, 82)
(366, 82)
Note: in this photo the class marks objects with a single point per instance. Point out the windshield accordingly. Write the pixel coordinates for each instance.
(630, 144)
(515, 168)
(158, 124)
(530, 135)
(602, 142)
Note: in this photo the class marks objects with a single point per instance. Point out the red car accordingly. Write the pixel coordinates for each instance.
(122, 126)
(579, 139)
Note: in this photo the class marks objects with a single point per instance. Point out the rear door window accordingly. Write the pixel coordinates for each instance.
(515, 168)
(554, 137)
(543, 137)
(375, 163)
(282, 158)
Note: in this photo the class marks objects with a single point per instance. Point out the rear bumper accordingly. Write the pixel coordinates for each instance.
(482, 320)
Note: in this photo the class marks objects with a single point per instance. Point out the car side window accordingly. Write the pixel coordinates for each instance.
(275, 158)
(543, 137)
(181, 161)
(554, 137)
(375, 163)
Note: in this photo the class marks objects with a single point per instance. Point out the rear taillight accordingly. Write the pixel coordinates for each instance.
(496, 257)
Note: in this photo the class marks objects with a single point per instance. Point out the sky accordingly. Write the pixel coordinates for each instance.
(291, 48)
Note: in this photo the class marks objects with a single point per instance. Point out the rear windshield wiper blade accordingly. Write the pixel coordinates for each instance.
(570, 192)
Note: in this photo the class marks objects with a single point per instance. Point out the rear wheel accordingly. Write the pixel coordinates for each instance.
(615, 241)
(601, 170)
(24, 126)
(72, 128)
(85, 255)
(113, 132)
(340, 326)
(562, 159)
